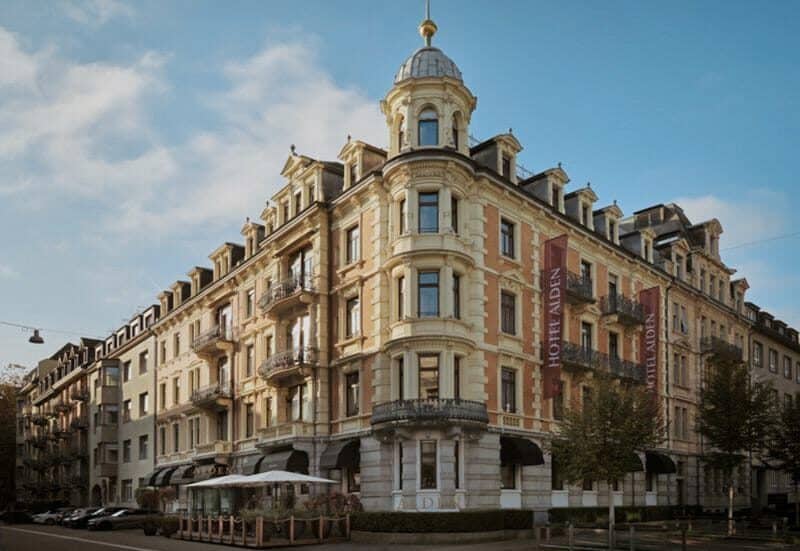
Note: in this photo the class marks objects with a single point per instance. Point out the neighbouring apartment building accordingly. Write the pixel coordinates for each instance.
(413, 321)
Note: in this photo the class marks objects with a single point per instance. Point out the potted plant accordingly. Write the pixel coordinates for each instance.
(169, 525)
(150, 526)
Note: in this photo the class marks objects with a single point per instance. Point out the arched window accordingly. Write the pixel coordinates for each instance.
(455, 131)
(428, 128)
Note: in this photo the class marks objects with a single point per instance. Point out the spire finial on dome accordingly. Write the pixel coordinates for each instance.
(427, 28)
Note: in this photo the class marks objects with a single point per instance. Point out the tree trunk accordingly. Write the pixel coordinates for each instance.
(730, 508)
(611, 519)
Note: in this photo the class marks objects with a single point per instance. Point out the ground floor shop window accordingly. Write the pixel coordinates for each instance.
(427, 465)
(353, 480)
(508, 476)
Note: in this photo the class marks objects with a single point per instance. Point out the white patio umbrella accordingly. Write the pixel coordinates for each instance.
(228, 480)
(279, 477)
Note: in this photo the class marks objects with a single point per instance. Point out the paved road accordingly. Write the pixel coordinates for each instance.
(54, 538)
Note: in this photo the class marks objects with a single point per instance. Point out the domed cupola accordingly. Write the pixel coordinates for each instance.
(429, 105)
(428, 62)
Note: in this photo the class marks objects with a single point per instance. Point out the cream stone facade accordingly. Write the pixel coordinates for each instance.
(384, 324)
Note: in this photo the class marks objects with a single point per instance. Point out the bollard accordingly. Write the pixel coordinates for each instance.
(683, 539)
(547, 534)
(774, 528)
(570, 536)
(632, 538)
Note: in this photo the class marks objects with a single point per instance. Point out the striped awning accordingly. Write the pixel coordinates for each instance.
(164, 476)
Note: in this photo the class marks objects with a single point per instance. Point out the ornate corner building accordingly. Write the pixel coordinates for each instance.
(396, 320)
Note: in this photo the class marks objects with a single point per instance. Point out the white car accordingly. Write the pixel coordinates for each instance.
(51, 517)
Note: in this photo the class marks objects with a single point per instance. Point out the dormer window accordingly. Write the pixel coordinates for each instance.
(555, 196)
(353, 176)
(298, 198)
(506, 168)
(646, 250)
(586, 214)
(285, 211)
(428, 128)
(679, 266)
(612, 230)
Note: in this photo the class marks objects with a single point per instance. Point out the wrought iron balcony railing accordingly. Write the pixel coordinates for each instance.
(577, 356)
(39, 419)
(296, 357)
(62, 407)
(721, 347)
(579, 288)
(627, 310)
(80, 394)
(213, 335)
(285, 289)
(430, 410)
(80, 423)
(211, 393)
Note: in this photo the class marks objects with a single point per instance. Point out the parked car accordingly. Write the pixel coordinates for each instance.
(126, 518)
(53, 516)
(78, 513)
(83, 520)
(16, 517)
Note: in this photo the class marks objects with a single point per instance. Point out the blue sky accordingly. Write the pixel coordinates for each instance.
(135, 137)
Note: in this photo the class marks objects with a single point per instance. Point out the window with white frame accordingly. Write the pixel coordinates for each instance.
(428, 469)
(351, 387)
(428, 212)
(353, 244)
(352, 317)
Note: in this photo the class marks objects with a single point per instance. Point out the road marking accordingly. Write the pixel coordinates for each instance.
(84, 540)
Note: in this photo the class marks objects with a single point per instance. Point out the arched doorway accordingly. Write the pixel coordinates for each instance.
(97, 496)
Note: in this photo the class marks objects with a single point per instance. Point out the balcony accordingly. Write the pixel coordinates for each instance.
(39, 420)
(62, 407)
(80, 394)
(215, 340)
(80, 423)
(578, 358)
(291, 429)
(579, 289)
(624, 311)
(40, 442)
(106, 433)
(218, 447)
(63, 433)
(213, 396)
(287, 295)
(720, 347)
(425, 411)
(289, 366)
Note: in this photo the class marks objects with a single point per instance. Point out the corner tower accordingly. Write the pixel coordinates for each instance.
(429, 105)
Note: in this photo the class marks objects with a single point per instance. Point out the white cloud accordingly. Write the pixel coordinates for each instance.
(86, 131)
(95, 12)
(6, 272)
(278, 97)
(743, 221)
(63, 125)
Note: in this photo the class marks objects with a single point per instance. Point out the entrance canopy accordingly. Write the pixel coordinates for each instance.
(164, 476)
(183, 474)
(659, 463)
(341, 454)
(520, 451)
(150, 479)
(286, 460)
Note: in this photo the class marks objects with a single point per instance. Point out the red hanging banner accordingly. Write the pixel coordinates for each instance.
(554, 286)
(648, 345)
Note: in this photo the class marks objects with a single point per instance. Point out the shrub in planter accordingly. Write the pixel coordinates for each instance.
(168, 525)
(150, 526)
(462, 521)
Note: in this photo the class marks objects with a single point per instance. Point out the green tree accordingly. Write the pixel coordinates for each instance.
(734, 417)
(783, 447)
(600, 441)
